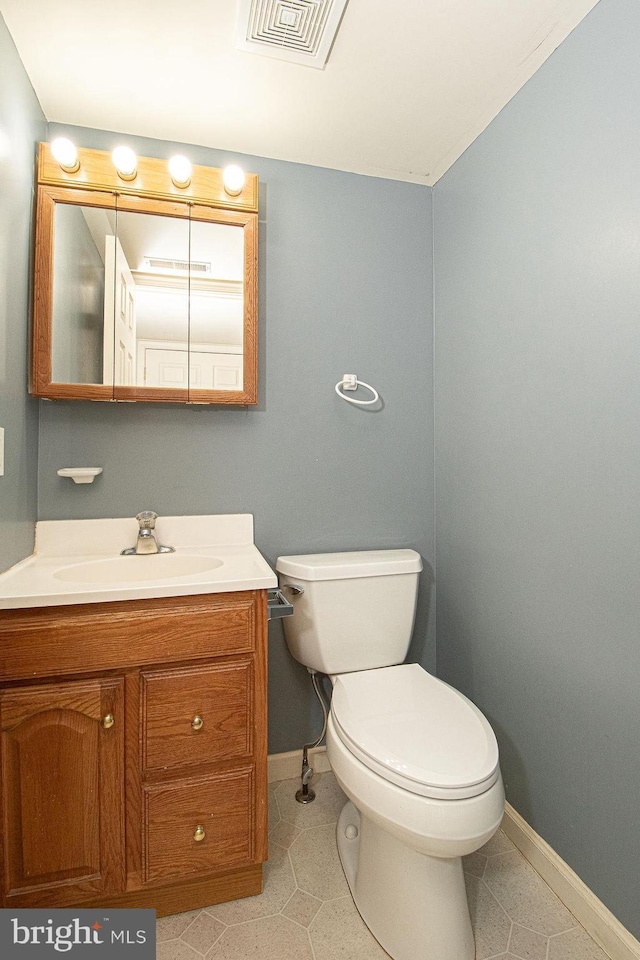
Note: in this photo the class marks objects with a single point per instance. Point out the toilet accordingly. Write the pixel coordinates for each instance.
(417, 760)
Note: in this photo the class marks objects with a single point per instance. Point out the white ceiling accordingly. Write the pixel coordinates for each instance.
(407, 87)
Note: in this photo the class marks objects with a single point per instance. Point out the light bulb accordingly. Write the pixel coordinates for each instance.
(66, 154)
(125, 160)
(180, 170)
(233, 179)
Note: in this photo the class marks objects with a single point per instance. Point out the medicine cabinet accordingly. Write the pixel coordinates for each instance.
(144, 290)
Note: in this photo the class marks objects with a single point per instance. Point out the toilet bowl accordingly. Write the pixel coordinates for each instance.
(417, 760)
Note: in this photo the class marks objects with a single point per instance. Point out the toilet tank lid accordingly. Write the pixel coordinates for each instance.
(342, 566)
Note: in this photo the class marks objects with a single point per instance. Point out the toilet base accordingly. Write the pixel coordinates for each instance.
(414, 905)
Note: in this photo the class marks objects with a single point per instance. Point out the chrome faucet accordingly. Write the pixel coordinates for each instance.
(147, 542)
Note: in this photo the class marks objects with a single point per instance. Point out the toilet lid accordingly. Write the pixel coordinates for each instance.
(416, 731)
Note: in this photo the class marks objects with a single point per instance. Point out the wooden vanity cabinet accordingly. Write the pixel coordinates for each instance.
(133, 752)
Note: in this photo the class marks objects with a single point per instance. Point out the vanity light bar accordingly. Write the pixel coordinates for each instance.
(60, 163)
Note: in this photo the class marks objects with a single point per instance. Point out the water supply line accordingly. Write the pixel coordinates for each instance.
(306, 794)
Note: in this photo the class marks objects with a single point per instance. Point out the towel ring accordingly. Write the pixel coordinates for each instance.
(351, 382)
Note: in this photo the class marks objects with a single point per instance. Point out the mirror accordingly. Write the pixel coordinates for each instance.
(143, 299)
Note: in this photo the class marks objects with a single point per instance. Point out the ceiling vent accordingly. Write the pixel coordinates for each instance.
(300, 31)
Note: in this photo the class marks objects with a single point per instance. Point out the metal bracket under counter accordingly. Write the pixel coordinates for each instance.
(278, 605)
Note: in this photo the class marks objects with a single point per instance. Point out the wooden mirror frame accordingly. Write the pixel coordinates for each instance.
(96, 183)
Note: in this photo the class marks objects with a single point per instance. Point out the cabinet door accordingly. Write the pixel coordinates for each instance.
(62, 791)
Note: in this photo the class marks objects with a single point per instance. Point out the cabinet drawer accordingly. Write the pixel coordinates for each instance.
(196, 826)
(197, 714)
(48, 641)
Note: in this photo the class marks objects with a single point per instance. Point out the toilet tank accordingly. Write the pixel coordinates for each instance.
(356, 610)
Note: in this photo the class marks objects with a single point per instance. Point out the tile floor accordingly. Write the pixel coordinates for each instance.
(306, 912)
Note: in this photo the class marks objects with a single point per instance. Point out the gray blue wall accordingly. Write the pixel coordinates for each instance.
(537, 266)
(22, 125)
(345, 287)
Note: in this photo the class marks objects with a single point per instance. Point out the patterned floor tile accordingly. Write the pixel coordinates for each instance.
(306, 913)
(316, 864)
(527, 944)
(273, 938)
(475, 864)
(525, 896)
(279, 884)
(499, 843)
(325, 808)
(339, 933)
(302, 908)
(575, 945)
(203, 932)
(176, 950)
(284, 834)
(170, 928)
(491, 925)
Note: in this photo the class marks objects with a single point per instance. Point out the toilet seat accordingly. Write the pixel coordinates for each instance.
(415, 731)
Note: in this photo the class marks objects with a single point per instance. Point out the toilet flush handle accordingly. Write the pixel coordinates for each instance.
(295, 589)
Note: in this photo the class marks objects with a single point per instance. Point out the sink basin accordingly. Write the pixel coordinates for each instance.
(137, 569)
(79, 561)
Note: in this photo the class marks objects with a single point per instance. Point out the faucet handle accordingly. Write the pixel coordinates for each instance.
(147, 519)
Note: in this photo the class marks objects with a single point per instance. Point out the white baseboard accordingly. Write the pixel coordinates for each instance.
(286, 766)
(588, 910)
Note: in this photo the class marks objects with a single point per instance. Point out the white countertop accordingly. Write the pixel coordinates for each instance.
(90, 546)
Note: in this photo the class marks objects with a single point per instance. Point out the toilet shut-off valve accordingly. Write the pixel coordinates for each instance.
(305, 794)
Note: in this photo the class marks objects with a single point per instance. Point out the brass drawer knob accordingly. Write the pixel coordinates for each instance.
(197, 723)
(107, 721)
(198, 833)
